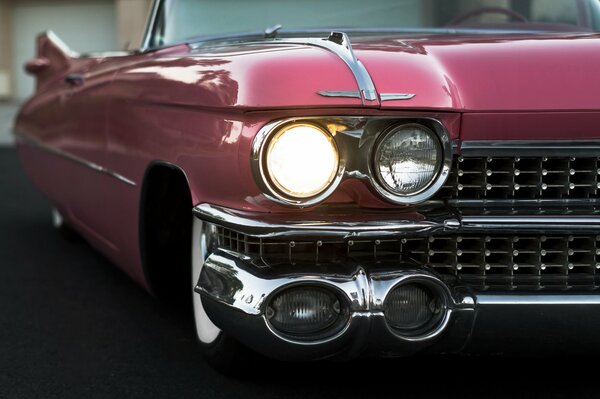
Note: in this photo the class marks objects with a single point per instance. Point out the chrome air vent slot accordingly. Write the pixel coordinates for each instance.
(522, 178)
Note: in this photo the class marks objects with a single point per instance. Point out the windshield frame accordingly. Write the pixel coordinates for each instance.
(149, 34)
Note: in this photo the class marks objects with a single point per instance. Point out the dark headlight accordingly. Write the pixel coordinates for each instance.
(304, 311)
(411, 308)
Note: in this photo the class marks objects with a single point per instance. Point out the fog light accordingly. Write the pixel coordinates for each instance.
(412, 308)
(304, 311)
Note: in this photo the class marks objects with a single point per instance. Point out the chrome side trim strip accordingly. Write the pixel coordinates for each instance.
(532, 299)
(396, 96)
(545, 148)
(538, 223)
(339, 44)
(267, 225)
(340, 93)
(74, 158)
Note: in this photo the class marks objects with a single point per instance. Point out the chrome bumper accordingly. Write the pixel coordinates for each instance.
(235, 294)
(235, 291)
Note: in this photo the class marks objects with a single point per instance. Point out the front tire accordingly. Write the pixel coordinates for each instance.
(221, 351)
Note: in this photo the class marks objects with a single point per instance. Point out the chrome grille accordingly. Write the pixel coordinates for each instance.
(475, 260)
(518, 178)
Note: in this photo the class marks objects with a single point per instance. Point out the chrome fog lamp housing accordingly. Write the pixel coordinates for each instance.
(411, 162)
(415, 309)
(307, 313)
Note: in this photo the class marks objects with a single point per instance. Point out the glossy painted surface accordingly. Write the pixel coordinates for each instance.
(200, 109)
(488, 73)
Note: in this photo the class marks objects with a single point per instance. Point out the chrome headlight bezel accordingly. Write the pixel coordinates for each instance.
(267, 183)
(443, 164)
(356, 139)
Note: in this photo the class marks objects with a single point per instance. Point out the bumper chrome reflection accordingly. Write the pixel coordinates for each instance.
(235, 295)
(236, 289)
(388, 224)
(360, 224)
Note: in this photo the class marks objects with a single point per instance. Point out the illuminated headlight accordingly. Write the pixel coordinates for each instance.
(408, 159)
(301, 160)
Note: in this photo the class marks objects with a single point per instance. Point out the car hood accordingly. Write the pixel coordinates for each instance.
(494, 73)
(487, 72)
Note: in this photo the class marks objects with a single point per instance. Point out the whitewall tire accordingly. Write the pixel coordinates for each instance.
(221, 351)
(206, 331)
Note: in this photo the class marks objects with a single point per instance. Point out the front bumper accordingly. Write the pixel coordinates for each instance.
(237, 288)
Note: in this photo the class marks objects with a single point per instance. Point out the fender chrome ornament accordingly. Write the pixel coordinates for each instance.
(340, 93)
(339, 44)
(355, 94)
(396, 96)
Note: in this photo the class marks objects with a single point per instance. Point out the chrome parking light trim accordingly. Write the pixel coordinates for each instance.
(524, 148)
(73, 158)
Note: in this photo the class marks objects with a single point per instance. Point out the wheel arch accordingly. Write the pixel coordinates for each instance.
(165, 231)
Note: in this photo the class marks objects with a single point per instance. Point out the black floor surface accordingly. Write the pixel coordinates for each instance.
(72, 325)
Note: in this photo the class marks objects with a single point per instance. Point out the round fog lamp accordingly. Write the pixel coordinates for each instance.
(411, 307)
(303, 311)
(408, 159)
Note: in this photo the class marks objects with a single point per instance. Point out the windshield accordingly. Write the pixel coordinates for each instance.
(182, 20)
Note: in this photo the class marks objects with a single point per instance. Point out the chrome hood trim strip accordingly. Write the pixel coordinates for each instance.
(340, 93)
(339, 44)
(396, 96)
(356, 94)
(74, 158)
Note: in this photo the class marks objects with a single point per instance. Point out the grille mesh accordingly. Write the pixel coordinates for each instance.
(506, 178)
(476, 260)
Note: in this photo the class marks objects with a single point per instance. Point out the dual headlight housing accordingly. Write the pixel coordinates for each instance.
(301, 162)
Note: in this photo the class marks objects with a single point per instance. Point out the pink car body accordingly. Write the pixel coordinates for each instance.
(97, 125)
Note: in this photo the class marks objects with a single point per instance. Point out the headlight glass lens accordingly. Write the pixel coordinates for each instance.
(302, 160)
(408, 159)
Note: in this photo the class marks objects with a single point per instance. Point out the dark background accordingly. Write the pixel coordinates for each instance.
(72, 325)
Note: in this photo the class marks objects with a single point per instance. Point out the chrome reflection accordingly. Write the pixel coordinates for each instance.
(73, 158)
(229, 279)
(366, 224)
(355, 138)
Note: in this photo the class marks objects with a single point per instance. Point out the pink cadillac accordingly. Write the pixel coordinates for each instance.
(340, 178)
